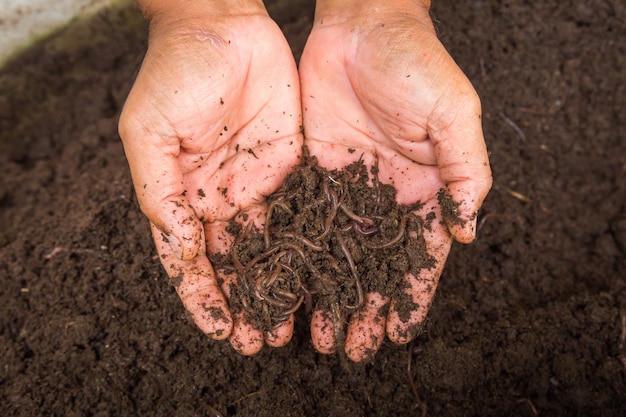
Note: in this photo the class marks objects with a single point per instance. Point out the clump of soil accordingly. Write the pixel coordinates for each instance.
(329, 237)
(449, 208)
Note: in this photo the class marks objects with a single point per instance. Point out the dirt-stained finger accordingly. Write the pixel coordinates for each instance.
(281, 335)
(460, 207)
(366, 330)
(323, 332)
(410, 305)
(462, 158)
(197, 287)
(408, 311)
(245, 339)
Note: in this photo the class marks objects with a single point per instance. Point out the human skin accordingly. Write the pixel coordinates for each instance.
(217, 97)
(376, 79)
(211, 127)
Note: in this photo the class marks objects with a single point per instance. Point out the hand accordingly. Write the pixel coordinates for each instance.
(375, 78)
(211, 127)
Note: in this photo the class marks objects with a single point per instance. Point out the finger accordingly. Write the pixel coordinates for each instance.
(281, 335)
(158, 182)
(366, 330)
(409, 308)
(323, 332)
(460, 211)
(456, 131)
(179, 227)
(245, 339)
(197, 287)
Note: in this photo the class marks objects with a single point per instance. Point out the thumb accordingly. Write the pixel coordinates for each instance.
(464, 166)
(459, 203)
(160, 188)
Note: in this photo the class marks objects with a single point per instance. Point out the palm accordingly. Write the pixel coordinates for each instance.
(214, 126)
(365, 90)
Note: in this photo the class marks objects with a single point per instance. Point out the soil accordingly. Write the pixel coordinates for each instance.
(329, 238)
(528, 320)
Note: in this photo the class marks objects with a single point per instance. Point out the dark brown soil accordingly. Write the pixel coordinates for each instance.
(329, 238)
(527, 320)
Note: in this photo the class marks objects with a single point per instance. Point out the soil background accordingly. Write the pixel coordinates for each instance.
(526, 321)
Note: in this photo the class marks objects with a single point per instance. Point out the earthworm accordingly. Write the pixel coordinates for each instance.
(284, 300)
(376, 183)
(365, 232)
(240, 269)
(347, 227)
(308, 299)
(257, 258)
(274, 259)
(295, 307)
(300, 252)
(289, 268)
(285, 196)
(398, 237)
(293, 195)
(271, 278)
(285, 294)
(276, 302)
(295, 247)
(278, 321)
(359, 288)
(305, 259)
(236, 262)
(264, 288)
(359, 219)
(258, 288)
(326, 190)
(331, 197)
(284, 316)
(244, 234)
(244, 302)
(268, 217)
(303, 240)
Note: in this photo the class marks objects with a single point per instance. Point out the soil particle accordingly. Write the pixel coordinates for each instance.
(328, 233)
(527, 320)
(449, 208)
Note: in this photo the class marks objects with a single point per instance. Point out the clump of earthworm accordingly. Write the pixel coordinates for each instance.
(329, 237)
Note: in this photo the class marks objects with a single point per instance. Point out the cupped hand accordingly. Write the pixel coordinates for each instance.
(211, 127)
(376, 79)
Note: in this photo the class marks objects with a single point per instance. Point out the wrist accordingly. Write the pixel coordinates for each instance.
(336, 11)
(172, 14)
